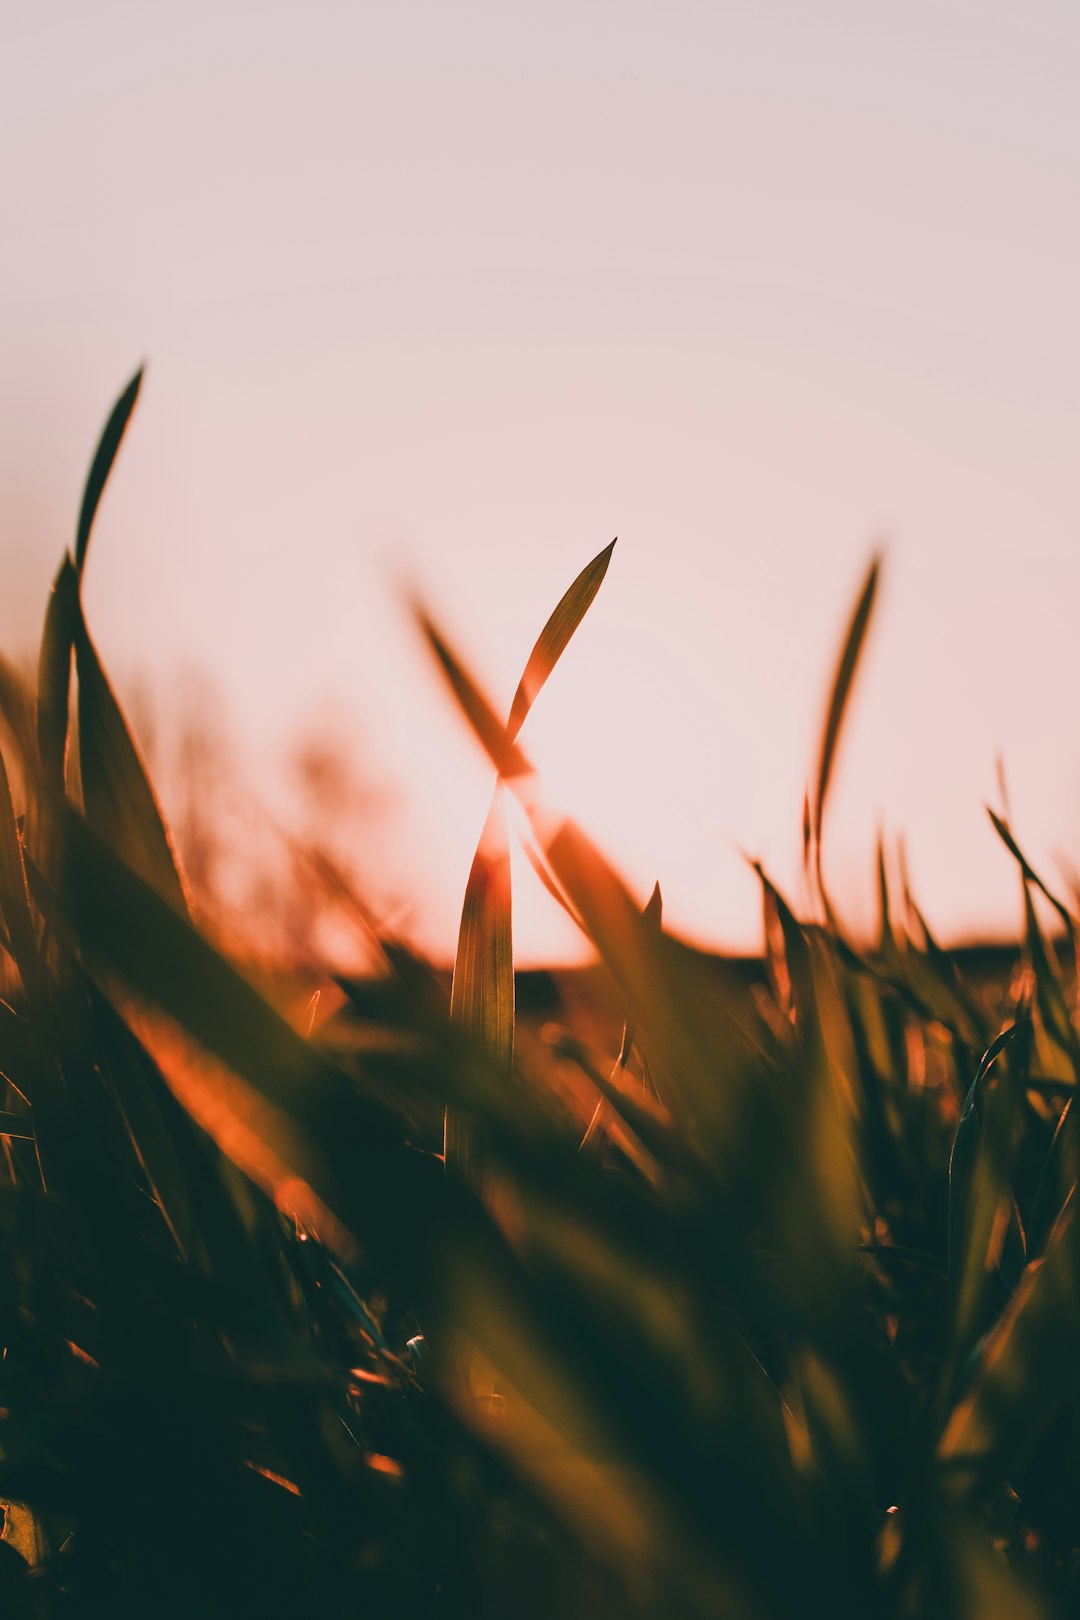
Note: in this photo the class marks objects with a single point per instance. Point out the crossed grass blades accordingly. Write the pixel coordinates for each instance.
(774, 1312)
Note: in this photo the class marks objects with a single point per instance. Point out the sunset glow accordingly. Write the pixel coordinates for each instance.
(434, 292)
(539, 811)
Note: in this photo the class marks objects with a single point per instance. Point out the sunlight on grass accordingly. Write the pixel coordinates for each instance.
(755, 1293)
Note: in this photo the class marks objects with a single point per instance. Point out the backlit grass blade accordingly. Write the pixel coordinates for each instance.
(17, 717)
(54, 676)
(690, 1040)
(792, 968)
(1049, 983)
(942, 969)
(1004, 832)
(596, 1132)
(1025, 1364)
(536, 861)
(1056, 1180)
(482, 999)
(841, 691)
(316, 1125)
(482, 996)
(983, 1231)
(122, 921)
(555, 636)
(182, 1166)
(818, 1216)
(119, 800)
(689, 1037)
(504, 753)
(100, 467)
(161, 1133)
(1049, 987)
(886, 935)
(638, 955)
(14, 894)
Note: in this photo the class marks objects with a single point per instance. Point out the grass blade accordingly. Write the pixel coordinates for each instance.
(17, 712)
(555, 635)
(298, 1110)
(1029, 874)
(100, 467)
(482, 997)
(536, 861)
(54, 676)
(120, 802)
(841, 691)
(1028, 1358)
(14, 894)
(503, 751)
(667, 992)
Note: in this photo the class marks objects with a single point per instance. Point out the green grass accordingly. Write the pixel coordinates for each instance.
(767, 1308)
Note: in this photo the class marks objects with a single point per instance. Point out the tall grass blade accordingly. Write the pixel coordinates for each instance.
(941, 970)
(119, 800)
(841, 691)
(691, 1041)
(1049, 984)
(100, 467)
(1027, 1361)
(316, 1123)
(482, 999)
(14, 893)
(54, 676)
(886, 934)
(536, 861)
(555, 635)
(503, 751)
(482, 996)
(984, 1233)
(17, 716)
(1004, 832)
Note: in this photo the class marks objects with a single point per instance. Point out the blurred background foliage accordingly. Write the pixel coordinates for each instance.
(702, 1288)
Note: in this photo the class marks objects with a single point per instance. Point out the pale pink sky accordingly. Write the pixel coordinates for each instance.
(462, 290)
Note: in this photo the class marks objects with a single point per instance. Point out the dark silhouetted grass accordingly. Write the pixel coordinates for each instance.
(768, 1309)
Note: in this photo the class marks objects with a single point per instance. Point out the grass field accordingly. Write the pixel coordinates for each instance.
(694, 1288)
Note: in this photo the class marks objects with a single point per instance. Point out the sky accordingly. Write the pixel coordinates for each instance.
(450, 295)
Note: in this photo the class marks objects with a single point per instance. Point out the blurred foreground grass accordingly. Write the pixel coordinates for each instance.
(413, 1306)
